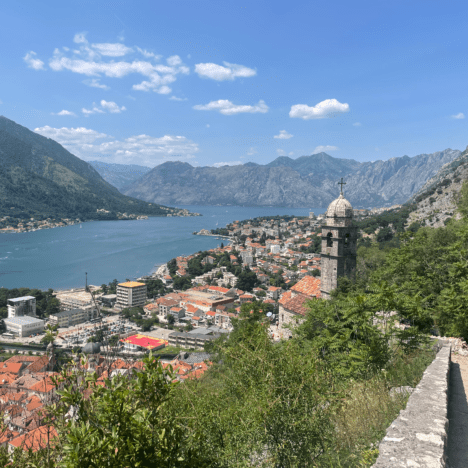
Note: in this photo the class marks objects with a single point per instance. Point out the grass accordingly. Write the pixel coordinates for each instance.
(367, 410)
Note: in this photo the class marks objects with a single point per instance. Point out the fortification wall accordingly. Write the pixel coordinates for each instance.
(418, 437)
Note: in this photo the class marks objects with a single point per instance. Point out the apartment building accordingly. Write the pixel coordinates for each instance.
(68, 318)
(131, 294)
(21, 306)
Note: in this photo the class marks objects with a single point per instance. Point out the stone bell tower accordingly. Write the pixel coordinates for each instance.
(339, 238)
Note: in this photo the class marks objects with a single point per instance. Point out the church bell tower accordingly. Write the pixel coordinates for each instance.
(339, 238)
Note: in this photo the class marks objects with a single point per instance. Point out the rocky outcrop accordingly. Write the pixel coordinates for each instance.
(309, 181)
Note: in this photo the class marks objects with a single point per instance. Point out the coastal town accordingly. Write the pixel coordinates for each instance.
(272, 265)
(11, 224)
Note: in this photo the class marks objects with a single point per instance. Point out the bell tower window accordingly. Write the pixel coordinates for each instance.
(329, 240)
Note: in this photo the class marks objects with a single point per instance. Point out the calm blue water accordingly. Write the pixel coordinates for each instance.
(58, 258)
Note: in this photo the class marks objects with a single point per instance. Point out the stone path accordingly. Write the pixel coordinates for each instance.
(458, 413)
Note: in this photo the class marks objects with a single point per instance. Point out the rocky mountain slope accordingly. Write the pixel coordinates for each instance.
(309, 181)
(40, 178)
(435, 202)
(119, 175)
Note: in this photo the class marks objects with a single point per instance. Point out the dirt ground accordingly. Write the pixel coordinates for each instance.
(458, 413)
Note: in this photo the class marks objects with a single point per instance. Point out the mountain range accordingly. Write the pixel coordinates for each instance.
(308, 181)
(119, 175)
(40, 178)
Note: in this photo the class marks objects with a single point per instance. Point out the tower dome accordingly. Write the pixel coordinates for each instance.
(340, 208)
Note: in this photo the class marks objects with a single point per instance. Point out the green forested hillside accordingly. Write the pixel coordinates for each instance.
(39, 178)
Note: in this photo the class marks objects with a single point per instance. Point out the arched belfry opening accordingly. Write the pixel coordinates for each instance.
(339, 237)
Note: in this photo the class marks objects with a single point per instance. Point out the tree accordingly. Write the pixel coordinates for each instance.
(50, 335)
(104, 288)
(247, 280)
(171, 319)
(122, 423)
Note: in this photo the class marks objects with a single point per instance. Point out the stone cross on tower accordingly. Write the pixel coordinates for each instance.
(342, 183)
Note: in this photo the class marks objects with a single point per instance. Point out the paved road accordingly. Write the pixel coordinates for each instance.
(458, 413)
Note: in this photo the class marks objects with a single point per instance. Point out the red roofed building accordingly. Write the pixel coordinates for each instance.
(293, 303)
(35, 440)
(141, 342)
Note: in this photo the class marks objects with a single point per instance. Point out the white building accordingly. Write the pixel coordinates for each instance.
(131, 294)
(20, 306)
(24, 326)
(275, 248)
(67, 318)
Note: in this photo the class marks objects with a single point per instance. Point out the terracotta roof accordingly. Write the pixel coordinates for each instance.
(309, 286)
(11, 367)
(39, 364)
(36, 439)
(297, 304)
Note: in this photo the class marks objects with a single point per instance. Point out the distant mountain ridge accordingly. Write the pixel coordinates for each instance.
(40, 178)
(119, 175)
(303, 182)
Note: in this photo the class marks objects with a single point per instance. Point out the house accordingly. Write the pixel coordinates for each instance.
(293, 303)
(274, 292)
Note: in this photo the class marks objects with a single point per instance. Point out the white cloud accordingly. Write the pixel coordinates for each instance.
(92, 60)
(147, 54)
(174, 60)
(112, 107)
(94, 110)
(283, 135)
(207, 125)
(324, 149)
(230, 71)
(139, 149)
(228, 108)
(94, 83)
(324, 109)
(80, 38)
(357, 124)
(71, 136)
(33, 62)
(108, 106)
(460, 115)
(112, 50)
(65, 112)
(281, 152)
(230, 163)
(175, 98)
(252, 151)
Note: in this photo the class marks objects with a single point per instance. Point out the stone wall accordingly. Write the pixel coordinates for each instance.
(418, 437)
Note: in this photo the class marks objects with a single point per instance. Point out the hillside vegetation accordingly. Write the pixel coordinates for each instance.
(40, 179)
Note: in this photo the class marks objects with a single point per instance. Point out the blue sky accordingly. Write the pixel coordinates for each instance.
(211, 82)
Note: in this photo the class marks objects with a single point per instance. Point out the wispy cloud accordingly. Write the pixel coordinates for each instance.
(460, 115)
(229, 163)
(324, 149)
(252, 151)
(33, 62)
(322, 110)
(229, 71)
(94, 83)
(283, 135)
(228, 108)
(113, 60)
(281, 152)
(357, 124)
(140, 149)
(65, 112)
(105, 106)
(175, 98)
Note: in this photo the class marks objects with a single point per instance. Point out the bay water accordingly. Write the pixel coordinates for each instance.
(58, 258)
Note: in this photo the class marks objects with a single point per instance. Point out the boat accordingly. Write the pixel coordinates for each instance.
(81, 227)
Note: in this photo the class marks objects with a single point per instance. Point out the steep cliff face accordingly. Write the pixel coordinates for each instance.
(306, 181)
(436, 201)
